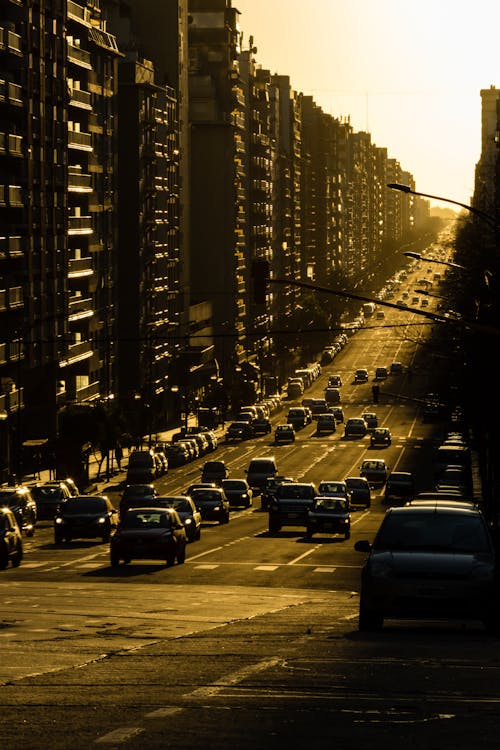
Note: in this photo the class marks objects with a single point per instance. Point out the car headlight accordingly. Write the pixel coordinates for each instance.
(101, 519)
(188, 521)
(58, 520)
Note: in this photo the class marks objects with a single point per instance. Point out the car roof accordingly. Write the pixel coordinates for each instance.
(440, 508)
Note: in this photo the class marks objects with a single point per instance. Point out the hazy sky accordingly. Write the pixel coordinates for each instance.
(408, 72)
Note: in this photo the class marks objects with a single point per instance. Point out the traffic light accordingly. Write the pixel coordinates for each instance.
(260, 275)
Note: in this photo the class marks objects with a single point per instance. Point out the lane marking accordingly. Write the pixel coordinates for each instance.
(233, 679)
(120, 735)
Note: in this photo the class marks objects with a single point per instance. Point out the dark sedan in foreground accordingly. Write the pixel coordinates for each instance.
(429, 562)
(212, 503)
(329, 515)
(149, 534)
(85, 517)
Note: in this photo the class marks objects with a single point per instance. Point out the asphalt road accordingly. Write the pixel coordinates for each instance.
(253, 642)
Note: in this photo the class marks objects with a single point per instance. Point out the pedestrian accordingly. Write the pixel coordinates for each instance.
(37, 465)
(119, 455)
(51, 465)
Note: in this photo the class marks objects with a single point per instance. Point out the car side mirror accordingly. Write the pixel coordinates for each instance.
(363, 546)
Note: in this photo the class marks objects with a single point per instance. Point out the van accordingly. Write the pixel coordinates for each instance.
(259, 470)
(142, 467)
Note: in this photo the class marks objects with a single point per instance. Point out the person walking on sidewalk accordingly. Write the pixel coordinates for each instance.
(119, 455)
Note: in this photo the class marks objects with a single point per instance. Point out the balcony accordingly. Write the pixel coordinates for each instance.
(79, 56)
(15, 196)
(80, 307)
(81, 141)
(77, 13)
(80, 225)
(80, 267)
(11, 298)
(88, 392)
(78, 352)
(79, 182)
(15, 144)
(80, 98)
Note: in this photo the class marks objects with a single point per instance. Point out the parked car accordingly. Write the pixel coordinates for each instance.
(214, 471)
(359, 490)
(290, 505)
(85, 517)
(162, 461)
(149, 534)
(330, 515)
(135, 493)
(355, 427)
(48, 497)
(380, 436)
(371, 419)
(212, 503)
(11, 541)
(284, 433)
(381, 373)
(259, 470)
(429, 562)
(396, 368)
(239, 431)
(326, 424)
(375, 471)
(178, 453)
(238, 492)
(22, 504)
(187, 511)
(399, 487)
(335, 381)
(270, 487)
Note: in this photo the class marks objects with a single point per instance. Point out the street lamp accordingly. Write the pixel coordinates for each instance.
(476, 211)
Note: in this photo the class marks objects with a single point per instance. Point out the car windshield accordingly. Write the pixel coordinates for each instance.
(356, 483)
(434, 532)
(233, 484)
(84, 505)
(41, 493)
(330, 504)
(373, 466)
(330, 487)
(138, 519)
(181, 505)
(203, 495)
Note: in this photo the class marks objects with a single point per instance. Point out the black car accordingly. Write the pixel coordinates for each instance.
(214, 471)
(85, 517)
(261, 426)
(21, 503)
(400, 487)
(11, 542)
(329, 515)
(49, 497)
(238, 492)
(187, 511)
(290, 505)
(149, 534)
(270, 487)
(360, 491)
(136, 493)
(212, 504)
(239, 431)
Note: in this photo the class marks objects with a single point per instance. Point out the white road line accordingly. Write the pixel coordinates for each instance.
(304, 554)
(119, 736)
(233, 679)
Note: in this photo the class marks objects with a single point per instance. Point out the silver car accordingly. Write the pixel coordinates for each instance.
(429, 562)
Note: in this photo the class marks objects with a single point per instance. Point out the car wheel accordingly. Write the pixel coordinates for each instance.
(114, 559)
(274, 527)
(31, 531)
(197, 536)
(105, 538)
(347, 535)
(16, 559)
(369, 619)
(309, 532)
(181, 556)
(170, 560)
(58, 539)
(68, 537)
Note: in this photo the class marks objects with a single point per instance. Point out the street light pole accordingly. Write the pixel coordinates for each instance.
(472, 209)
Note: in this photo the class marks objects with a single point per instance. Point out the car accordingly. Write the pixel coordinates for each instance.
(335, 381)
(239, 430)
(361, 375)
(20, 501)
(270, 487)
(187, 512)
(371, 419)
(11, 539)
(290, 505)
(284, 433)
(375, 471)
(330, 515)
(326, 423)
(262, 426)
(359, 490)
(214, 471)
(259, 470)
(396, 368)
(429, 562)
(85, 517)
(135, 493)
(338, 413)
(380, 436)
(143, 467)
(381, 373)
(178, 453)
(162, 460)
(399, 487)
(149, 534)
(297, 416)
(49, 496)
(355, 427)
(212, 503)
(71, 485)
(238, 492)
(332, 395)
(454, 478)
(334, 488)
